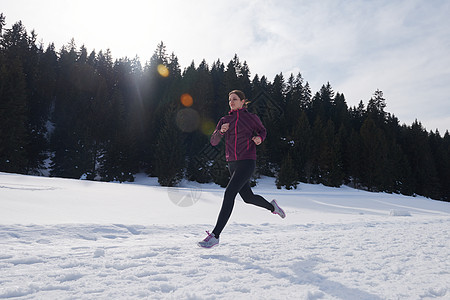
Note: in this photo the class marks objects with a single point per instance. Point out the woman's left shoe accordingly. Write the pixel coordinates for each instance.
(209, 241)
(277, 210)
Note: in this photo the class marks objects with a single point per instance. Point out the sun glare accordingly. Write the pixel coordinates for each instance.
(163, 71)
(187, 100)
(208, 127)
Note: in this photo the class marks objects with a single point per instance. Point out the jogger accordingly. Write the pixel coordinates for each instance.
(243, 131)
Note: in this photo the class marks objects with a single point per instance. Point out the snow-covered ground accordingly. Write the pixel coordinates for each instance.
(72, 239)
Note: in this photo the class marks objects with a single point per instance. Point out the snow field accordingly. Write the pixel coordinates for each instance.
(355, 261)
(130, 241)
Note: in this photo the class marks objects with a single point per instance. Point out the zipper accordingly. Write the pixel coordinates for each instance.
(235, 135)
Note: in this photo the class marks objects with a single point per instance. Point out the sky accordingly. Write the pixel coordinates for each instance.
(400, 47)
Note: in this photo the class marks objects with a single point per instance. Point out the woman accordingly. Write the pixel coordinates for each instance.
(243, 131)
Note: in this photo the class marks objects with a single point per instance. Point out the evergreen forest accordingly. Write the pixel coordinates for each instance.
(86, 115)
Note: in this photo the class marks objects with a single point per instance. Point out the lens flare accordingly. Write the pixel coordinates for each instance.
(163, 71)
(208, 127)
(188, 119)
(186, 100)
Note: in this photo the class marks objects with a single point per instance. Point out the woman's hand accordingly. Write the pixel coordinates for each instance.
(225, 127)
(257, 140)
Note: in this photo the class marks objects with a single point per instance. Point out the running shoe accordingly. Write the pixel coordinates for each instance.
(277, 210)
(209, 241)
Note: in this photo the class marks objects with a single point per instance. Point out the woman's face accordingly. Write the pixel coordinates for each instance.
(235, 102)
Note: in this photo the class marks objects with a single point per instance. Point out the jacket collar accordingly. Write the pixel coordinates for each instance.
(243, 109)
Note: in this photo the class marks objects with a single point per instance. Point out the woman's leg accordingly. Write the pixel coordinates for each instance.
(247, 193)
(248, 197)
(240, 172)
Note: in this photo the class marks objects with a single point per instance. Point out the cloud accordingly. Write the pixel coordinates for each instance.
(405, 54)
(399, 47)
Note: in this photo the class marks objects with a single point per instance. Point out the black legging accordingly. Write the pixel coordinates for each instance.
(241, 172)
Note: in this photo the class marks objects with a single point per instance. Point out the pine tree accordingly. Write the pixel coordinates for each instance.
(340, 113)
(244, 79)
(169, 162)
(117, 160)
(322, 102)
(302, 152)
(374, 150)
(294, 89)
(231, 80)
(13, 117)
(376, 106)
(2, 22)
(319, 149)
(336, 175)
(74, 140)
(357, 116)
(355, 158)
(329, 157)
(445, 166)
(278, 91)
(417, 148)
(287, 175)
(220, 103)
(20, 49)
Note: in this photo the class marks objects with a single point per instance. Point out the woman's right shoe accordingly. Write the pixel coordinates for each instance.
(209, 241)
(277, 209)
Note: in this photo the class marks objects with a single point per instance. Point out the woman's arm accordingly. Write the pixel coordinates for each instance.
(217, 134)
(260, 130)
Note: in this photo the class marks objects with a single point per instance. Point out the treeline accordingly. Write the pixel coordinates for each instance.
(87, 115)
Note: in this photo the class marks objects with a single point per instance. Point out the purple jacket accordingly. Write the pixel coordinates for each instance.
(238, 139)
